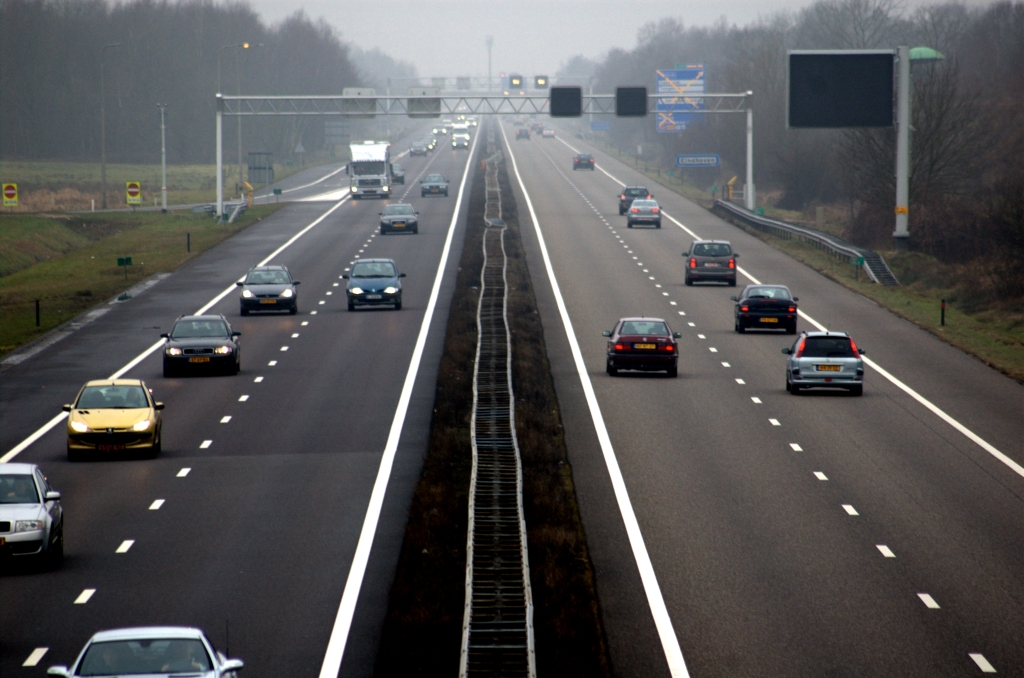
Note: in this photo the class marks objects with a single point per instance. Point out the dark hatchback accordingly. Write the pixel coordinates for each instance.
(418, 148)
(397, 174)
(766, 307)
(644, 345)
(523, 133)
(433, 184)
(400, 218)
(204, 342)
(374, 282)
(583, 161)
(631, 193)
(710, 260)
(268, 288)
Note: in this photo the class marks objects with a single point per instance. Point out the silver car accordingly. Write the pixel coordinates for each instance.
(148, 651)
(31, 517)
(644, 212)
(826, 360)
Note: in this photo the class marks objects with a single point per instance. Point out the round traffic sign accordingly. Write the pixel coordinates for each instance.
(133, 190)
(10, 192)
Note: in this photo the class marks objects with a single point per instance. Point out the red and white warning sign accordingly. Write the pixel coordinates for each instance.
(133, 192)
(10, 195)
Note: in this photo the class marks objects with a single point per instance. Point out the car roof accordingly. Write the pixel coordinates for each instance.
(641, 319)
(201, 317)
(114, 382)
(716, 242)
(375, 261)
(269, 267)
(766, 285)
(147, 632)
(827, 334)
(643, 187)
(19, 469)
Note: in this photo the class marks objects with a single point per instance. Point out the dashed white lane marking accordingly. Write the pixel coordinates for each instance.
(334, 285)
(295, 335)
(225, 419)
(886, 551)
(650, 276)
(328, 293)
(284, 348)
(713, 349)
(850, 510)
(682, 313)
(928, 601)
(257, 380)
(184, 472)
(664, 294)
(820, 476)
(701, 336)
(690, 324)
(756, 400)
(37, 655)
(775, 422)
(321, 303)
(125, 545)
(271, 363)
(312, 312)
(84, 596)
(205, 444)
(305, 322)
(726, 365)
(740, 381)
(672, 302)
(978, 658)
(796, 447)
(243, 398)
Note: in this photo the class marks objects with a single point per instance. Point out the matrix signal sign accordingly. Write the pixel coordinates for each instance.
(681, 85)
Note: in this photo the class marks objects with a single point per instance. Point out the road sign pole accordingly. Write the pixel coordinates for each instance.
(748, 192)
(220, 157)
(902, 232)
(163, 155)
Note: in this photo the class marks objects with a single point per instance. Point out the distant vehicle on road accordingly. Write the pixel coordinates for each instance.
(644, 345)
(548, 133)
(268, 288)
(31, 516)
(766, 307)
(370, 170)
(397, 174)
(204, 342)
(631, 193)
(522, 133)
(114, 415)
(824, 360)
(418, 148)
(644, 212)
(433, 184)
(583, 161)
(399, 218)
(374, 282)
(710, 260)
(460, 136)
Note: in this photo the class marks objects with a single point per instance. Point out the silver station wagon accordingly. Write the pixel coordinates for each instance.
(824, 360)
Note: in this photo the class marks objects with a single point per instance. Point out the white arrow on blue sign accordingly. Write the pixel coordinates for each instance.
(698, 161)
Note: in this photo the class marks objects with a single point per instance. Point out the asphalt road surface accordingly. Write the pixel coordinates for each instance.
(247, 525)
(820, 535)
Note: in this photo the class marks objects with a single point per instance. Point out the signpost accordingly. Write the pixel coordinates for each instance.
(133, 192)
(708, 160)
(682, 83)
(10, 195)
(600, 126)
(125, 262)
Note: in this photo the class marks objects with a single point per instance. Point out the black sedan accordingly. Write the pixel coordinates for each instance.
(397, 174)
(268, 288)
(374, 282)
(642, 344)
(400, 218)
(766, 307)
(523, 133)
(433, 184)
(202, 342)
(583, 161)
(418, 148)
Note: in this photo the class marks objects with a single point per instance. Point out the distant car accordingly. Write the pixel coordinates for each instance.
(399, 218)
(766, 307)
(472, 120)
(518, 122)
(548, 133)
(824, 359)
(374, 282)
(460, 140)
(537, 127)
(433, 184)
(114, 415)
(710, 260)
(204, 342)
(31, 516)
(150, 651)
(583, 161)
(644, 212)
(522, 133)
(631, 193)
(268, 288)
(441, 130)
(431, 144)
(418, 148)
(397, 174)
(644, 345)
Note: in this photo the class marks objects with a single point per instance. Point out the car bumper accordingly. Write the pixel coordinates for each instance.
(816, 379)
(275, 304)
(22, 543)
(385, 299)
(434, 191)
(643, 220)
(767, 322)
(711, 273)
(216, 361)
(112, 442)
(370, 192)
(643, 363)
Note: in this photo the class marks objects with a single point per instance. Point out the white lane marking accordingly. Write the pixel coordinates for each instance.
(321, 303)
(672, 302)
(682, 313)
(206, 443)
(756, 400)
(980, 660)
(701, 336)
(184, 472)
(284, 348)
(84, 596)
(328, 293)
(299, 188)
(312, 312)
(346, 609)
(726, 365)
(225, 419)
(796, 447)
(334, 285)
(775, 422)
(39, 652)
(928, 601)
(713, 349)
(45, 428)
(125, 545)
(295, 335)
(305, 322)
(850, 510)
(257, 380)
(664, 294)
(243, 398)
(662, 621)
(740, 381)
(820, 476)
(885, 550)
(691, 324)
(271, 363)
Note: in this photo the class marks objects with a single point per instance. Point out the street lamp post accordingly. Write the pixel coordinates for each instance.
(490, 44)
(238, 74)
(103, 127)
(163, 156)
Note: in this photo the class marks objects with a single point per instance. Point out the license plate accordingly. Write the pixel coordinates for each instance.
(268, 301)
(109, 448)
(769, 320)
(711, 264)
(202, 359)
(829, 368)
(645, 346)
(374, 296)
(435, 190)
(398, 224)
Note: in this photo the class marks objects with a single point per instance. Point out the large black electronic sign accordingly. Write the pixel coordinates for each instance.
(840, 88)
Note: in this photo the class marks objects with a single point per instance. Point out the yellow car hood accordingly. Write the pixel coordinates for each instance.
(104, 419)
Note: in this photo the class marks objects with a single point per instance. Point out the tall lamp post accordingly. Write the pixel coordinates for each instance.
(490, 44)
(238, 75)
(103, 126)
(163, 155)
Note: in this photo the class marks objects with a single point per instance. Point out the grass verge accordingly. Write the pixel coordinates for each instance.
(422, 631)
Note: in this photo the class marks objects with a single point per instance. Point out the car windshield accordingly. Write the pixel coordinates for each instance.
(145, 657)
(112, 397)
(648, 328)
(189, 329)
(267, 278)
(633, 192)
(827, 347)
(18, 489)
(583, 157)
(768, 293)
(434, 179)
(398, 209)
(712, 250)
(374, 269)
(419, 144)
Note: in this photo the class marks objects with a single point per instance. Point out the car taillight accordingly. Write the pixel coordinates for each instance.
(635, 209)
(655, 210)
(744, 308)
(620, 347)
(853, 345)
(792, 309)
(622, 197)
(693, 262)
(591, 161)
(670, 347)
(732, 263)
(800, 348)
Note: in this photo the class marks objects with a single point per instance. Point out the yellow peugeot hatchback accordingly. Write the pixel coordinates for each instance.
(113, 415)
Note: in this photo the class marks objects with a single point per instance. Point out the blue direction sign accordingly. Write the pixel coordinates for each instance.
(600, 126)
(707, 160)
(681, 84)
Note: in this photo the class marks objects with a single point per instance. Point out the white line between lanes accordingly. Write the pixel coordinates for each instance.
(662, 621)
(346, 609)
(36, 656)
(84, 596)
(982, 663)
(125, 545)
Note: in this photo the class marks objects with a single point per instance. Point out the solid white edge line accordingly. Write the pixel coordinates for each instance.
(36, 656)
(666, 632)
(45, 428)
(350, 596)
(969, 434)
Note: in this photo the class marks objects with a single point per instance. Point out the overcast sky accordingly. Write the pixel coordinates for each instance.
(532, 37)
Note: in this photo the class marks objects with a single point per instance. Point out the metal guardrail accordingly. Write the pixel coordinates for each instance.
(874, 265)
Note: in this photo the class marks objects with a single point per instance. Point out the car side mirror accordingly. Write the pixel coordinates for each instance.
(860, 350)
(165, 335)
(733, 298)
(796, 298)
(787, 351)
(677, 335)
(735, 255)
(401, 275)
(59, 670)
(380, 214)
(52, 496)
(416, 213)
(296, 282)
(158, 406)
(606, 333)
(66, 408)
(231, 665)
(344, 277)
(239, 284)
(421, 181)
(236, 334)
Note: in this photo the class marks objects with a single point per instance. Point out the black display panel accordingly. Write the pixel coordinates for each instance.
(631, 102)
(840, 89)
(566, 102)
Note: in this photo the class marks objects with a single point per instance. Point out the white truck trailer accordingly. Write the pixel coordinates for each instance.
(369, 170)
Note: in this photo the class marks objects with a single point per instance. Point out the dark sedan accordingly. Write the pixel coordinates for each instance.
(202, 342)
(631, 193)
(433, 184)
(418, 148)
(400, 218)
(397, 174)
(644, 345)
(766, 307)
(583, 161)
(710, 260)
(268, 288)
(522, 133)
(374, 282)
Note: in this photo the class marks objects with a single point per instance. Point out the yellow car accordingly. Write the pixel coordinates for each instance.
(115, 415)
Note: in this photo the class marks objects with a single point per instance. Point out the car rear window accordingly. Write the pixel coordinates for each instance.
(192, 329)
(645, 327)
(145, 657)
(712, 250)
(633, 192)
(18, 489)
(644, 203)
(768, 293)
(827, 347)
(108, 397)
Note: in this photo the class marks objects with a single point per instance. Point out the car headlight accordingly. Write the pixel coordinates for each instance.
(79, 427)
(141, 425)
(390, 290)
(222, 350)
(355, 290)
(247, 294)
(28, 525)
(288, 294)
(383, 188)
(173, 351)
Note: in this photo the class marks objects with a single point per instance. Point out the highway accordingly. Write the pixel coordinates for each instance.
(256, 522)
(773, 535)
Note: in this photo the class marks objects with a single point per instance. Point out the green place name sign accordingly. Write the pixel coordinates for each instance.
(124, 261)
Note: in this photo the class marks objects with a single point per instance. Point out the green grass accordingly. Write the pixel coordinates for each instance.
(70, 264)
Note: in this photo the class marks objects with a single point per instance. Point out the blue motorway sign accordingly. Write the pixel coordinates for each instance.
(706, 160)
(681, 84)
(600, 126)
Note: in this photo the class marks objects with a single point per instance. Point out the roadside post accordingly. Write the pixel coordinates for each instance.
(942, 316)
(124, 262)
(857, 263)
(277, 195)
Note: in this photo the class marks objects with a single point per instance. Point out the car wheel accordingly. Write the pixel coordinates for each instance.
(56, 552)
(689, 282)
(791, 329)
(293, 310)
(794, 389)
(416, 231)
(423, 195)
(657, 225)
(611, 370)
(243, 311)
(398, 306)
(169, 370)
(74, 455)
(621, 211)
(739, 326)
(446, 194)
(673, 372)
(857, 390)
(351, 306)
(629, 225)
(383, 232)
(732, 282)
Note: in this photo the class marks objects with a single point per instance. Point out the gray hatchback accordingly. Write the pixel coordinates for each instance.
(824, 359)
(710, 260)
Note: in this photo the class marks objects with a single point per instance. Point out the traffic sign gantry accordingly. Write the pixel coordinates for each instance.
(10, 195)
(133, 192)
